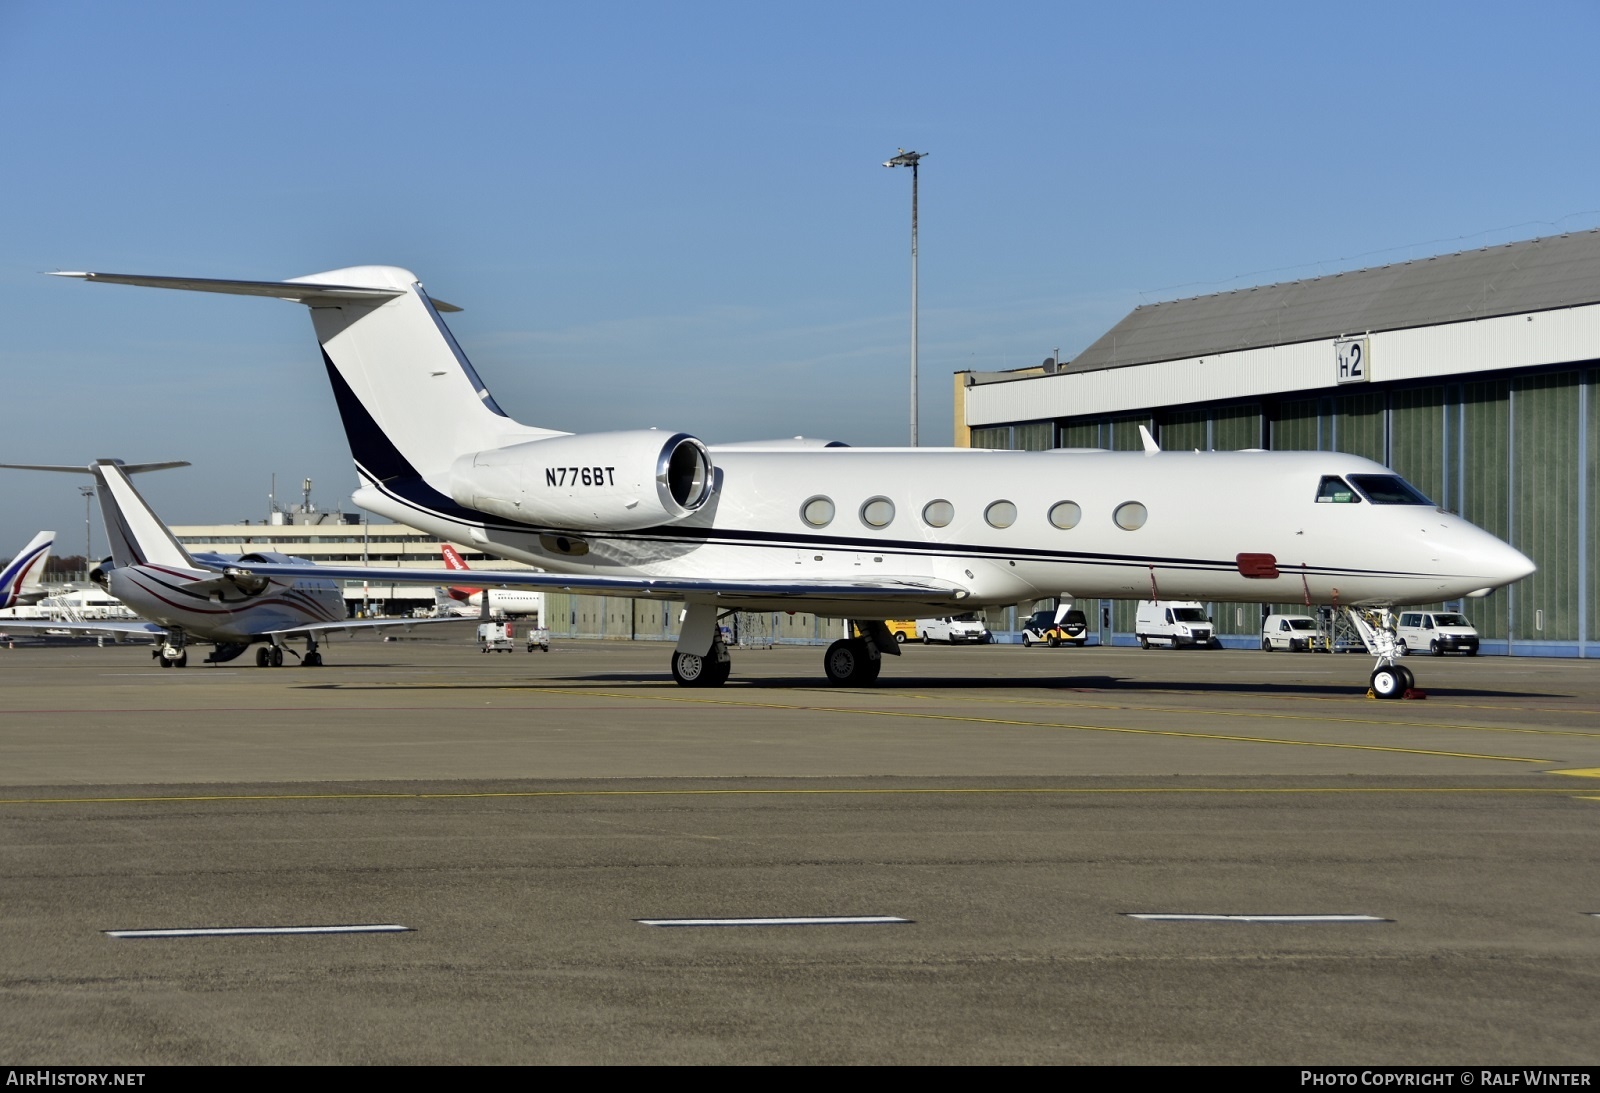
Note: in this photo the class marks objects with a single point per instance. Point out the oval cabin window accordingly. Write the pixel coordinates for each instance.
(818, 512)
(878, 512)
(1001, 514)
(1065, 515)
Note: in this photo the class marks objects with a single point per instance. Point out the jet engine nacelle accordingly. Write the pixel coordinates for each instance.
(590, 481)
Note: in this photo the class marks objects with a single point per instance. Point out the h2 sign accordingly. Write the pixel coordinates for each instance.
(1352, 361)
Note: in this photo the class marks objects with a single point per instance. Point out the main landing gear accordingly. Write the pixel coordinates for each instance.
(702, 659)
(703, 670)
(852, 662)
(271, 656)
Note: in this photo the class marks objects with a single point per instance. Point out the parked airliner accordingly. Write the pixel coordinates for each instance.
(465, 600)
(861, 534)
(21, 581)
(204, 598)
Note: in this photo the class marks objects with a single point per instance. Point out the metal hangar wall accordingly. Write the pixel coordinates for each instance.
(1475, 375)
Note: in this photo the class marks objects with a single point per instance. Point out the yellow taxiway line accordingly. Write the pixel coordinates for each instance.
(1012, 723)
(929, 791)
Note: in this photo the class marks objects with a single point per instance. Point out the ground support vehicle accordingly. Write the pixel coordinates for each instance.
(1174, 624)
(538, 638)
(903, 630)
(955, 629)
(496, 637)
(1061, 626)
(1439, 632)
(1295, 633)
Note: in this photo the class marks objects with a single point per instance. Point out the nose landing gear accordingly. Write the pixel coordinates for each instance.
(1389, 679)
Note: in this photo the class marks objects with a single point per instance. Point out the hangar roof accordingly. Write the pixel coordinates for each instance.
(1534, 275)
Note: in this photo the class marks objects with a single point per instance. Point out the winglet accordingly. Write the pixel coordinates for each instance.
(1150, 444)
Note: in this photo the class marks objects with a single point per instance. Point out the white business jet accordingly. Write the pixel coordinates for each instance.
(204, 598)
(21, 580)
(864, 534)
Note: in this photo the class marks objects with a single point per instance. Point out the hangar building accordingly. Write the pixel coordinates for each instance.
(1475, 375)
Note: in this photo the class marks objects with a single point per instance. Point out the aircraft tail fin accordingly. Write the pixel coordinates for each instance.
(24, 574)
(410, 399)
(136, 534)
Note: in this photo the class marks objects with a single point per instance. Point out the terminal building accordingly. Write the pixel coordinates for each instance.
(1474, 375)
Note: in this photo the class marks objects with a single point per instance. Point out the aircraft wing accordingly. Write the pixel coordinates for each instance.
(360, 625)
(94, 628)
(874, 590)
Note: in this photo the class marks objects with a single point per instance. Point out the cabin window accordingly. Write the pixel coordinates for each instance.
(877, 512)
(1388, 489)
(1000, 514)
(1130, 516)
(817, 511)
(938, 514)
(1065, 515)
(1336, 491)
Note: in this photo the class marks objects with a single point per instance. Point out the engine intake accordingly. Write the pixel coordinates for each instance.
(590, 481)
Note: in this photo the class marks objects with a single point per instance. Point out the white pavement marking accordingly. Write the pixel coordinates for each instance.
(237, 931)
(851, 920)
(1255, 918)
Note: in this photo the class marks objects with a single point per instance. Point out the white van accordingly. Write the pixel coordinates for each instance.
(1296, 633)
(955, 629)
(1174, 623)
(1439, 632)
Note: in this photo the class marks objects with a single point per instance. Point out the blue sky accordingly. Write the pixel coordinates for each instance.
(674, 214)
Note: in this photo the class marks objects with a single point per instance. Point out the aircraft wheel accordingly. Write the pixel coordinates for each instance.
(1409, 679)
(276, 657)
(312, 660)
(848, 663)
(1388, 683)
(690, 669)
(263, 657)
(718, 672)
(181, 660)
(165, 663)
(1433, 648)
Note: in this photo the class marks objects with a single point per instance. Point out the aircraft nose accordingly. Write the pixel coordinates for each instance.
(1504, 564)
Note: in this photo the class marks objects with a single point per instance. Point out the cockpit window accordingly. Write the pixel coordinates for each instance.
(1336, 491)
(1388, 489)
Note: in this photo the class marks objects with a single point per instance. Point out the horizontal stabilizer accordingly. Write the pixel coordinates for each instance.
(301, 292)
(127, 468)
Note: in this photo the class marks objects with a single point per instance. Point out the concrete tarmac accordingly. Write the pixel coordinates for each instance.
(519, 813)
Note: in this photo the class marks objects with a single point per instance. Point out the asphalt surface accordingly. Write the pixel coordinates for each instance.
(519, 813)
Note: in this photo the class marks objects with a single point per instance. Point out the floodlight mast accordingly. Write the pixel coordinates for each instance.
(911, 159)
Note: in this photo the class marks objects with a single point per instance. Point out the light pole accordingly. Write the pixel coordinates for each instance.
(88, 554)
(911, 159)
